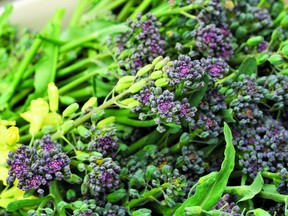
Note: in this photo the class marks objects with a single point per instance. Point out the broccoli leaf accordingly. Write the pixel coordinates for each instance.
(211, 188)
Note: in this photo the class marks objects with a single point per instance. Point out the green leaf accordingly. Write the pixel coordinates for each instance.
(259, 212)
(248, 67)
(142, 212)
(210, 187)
(16, 205)
(228, 116)
(253, 189)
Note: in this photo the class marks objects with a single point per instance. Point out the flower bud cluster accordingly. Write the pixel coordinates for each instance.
(261, 148)
(191, 162)
(215, 67)
(38, 166)
(184, 70)
(226, 204)
(163, 107)
(141, 44)
(213, 13)
(104, 141)
(249, 20)
(213, 41)
(246, 95)
(102, 177)
(209, 115)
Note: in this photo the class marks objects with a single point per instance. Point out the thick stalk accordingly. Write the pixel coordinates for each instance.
(178, 10)
(137, 123)
(122, 16)
(80, 64)
(78, 81)
(54, 191)
(144, 4)
(20, 72)
(78, 42)
(142, 142)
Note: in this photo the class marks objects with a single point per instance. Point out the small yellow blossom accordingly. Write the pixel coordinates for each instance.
(12, 135)
(12, 194)
(39, 115)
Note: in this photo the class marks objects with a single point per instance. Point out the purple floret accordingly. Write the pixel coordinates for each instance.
(215, 67)
(105, 141)
(185, 70)
(103, 177)
(38, 167)
(141, 44)
(214, 41)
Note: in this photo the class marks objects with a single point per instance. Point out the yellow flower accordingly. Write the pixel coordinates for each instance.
(12, 194)
(39, 115)
(12, 135)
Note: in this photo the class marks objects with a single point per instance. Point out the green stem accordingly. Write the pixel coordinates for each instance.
(80, 7)
(43, 204)
(178, 10)
(146, 196)
(87, 116)
(141, 142)
(79, 81)
(20, 72)
(78, 42)
(122, 16)
(18, 97)
(271, 175)
(54, 191)
(144, 4)
(273, 196)
(81, 93)
(137, 123)
(80, 64)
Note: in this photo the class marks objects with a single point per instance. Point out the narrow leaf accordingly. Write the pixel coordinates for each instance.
(210, 189)
(16, 205)
(254, 188)
(259, 212)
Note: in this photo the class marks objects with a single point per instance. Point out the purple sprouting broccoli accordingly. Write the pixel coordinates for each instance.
(247, 20)
(191, 162)
(104, 141)
(209, 116)
(36, 167)
(246, 97)
(213, 41)
(184, 70)
(213, 13)
(262, 147)
(141, 44)
(103, 177)
(226, 204)
(163, 107)
(215, 67)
